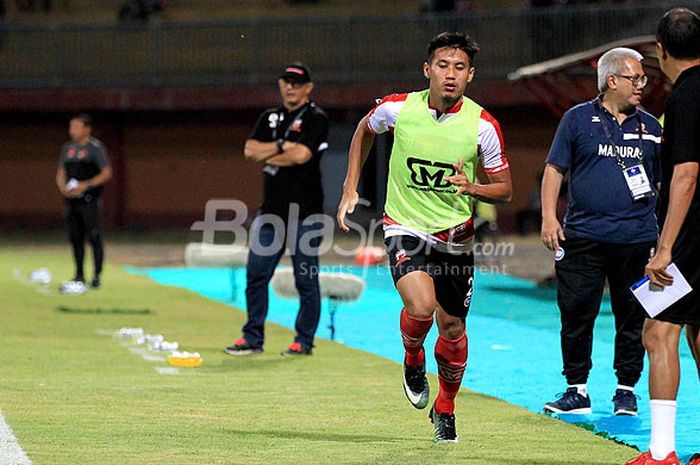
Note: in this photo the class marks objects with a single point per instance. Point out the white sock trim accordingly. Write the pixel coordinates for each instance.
(663, 402)
(663, 428)
(580, 388)
(625, 388)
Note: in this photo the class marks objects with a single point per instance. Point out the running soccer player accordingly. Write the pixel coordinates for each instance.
(439, 136)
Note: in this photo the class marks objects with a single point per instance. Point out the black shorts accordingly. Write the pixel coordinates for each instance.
(686, 256)
(453, 274)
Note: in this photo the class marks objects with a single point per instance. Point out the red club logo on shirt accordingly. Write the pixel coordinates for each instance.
(70, 153)
(296, 126)
(82, 154)
(401, 257)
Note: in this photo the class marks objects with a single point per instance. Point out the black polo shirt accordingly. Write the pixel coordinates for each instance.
(300, 184)
(681, 133)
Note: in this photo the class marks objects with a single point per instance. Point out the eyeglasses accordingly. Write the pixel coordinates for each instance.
(635, 80)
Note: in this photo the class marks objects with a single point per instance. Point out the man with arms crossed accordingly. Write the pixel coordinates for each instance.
(439, 136)
(288, 141)
(678, 50)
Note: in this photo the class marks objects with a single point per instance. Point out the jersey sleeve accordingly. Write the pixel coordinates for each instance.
(314, 133)
(383, 116)
(100, 155)
(560, 153)
(261, 130)
(491, 147)
(62, 156)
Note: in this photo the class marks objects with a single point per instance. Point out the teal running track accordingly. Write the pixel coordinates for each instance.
(514, 354)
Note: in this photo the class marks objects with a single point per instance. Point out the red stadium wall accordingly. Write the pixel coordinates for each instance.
(167, 165)
(166, 168)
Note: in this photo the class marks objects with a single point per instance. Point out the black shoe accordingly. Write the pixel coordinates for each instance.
(570, 402)
(95, 284)
(445, 431)
(297, 348)
(241, 347)
(78, 279)
(625, 402)
(415, 385)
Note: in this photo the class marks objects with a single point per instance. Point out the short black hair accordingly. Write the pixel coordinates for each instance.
(85, 118)
(458, 40)
(679, 32)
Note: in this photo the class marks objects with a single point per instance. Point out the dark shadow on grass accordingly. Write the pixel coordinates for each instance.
(244, 363)
(103, 311)
(312, 436)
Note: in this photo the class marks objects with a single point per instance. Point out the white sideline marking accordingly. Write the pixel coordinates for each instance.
(167, 370)
(10, 451)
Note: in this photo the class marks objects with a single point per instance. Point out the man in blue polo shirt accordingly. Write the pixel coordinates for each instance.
(610, 149)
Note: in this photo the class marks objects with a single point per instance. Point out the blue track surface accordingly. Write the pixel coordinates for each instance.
(514, 353)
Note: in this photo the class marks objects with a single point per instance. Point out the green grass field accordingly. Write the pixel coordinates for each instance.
(74, 395)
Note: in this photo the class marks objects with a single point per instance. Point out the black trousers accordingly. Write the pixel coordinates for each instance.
(83, 219)
(581, 275)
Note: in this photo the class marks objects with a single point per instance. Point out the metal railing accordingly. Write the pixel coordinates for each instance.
(338, 50)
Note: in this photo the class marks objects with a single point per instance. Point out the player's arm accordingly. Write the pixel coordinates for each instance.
(683, 185)
(294, 153)
(61, 180)
(260, 152)
(498, 190)
(552, 231)
(100, 179)
(360, 146)
(312, 139)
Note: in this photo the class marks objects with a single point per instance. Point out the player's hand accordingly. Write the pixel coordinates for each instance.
(345, 207)
(77, 191)
(71, 192)
(459, 179)
(552, 233)
(656, 269)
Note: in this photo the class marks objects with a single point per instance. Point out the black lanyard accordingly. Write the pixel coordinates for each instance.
(289, 126)
(608, 135)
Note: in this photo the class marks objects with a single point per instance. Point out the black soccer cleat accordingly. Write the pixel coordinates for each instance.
(445, 431)
(415, 385)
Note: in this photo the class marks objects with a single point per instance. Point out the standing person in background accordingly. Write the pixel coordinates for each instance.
(611, 150)
(83, 169)
(678, 50)
(439, 137)
(289, 142)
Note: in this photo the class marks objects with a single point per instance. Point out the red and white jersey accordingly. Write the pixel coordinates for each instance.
(490, 139)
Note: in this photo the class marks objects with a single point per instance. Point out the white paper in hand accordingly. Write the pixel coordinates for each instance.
(654, 299)
(72, 184)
